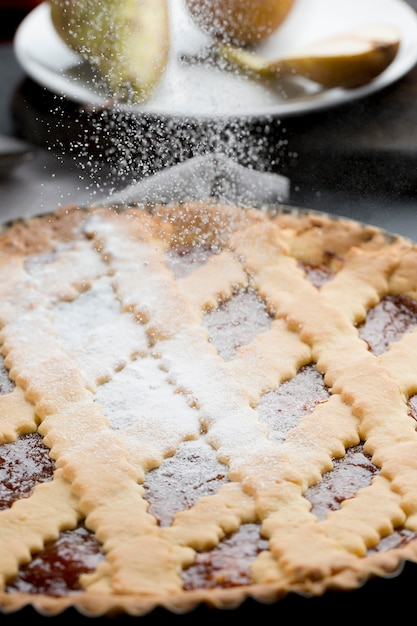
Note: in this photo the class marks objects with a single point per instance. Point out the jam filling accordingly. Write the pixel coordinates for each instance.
(316, 274)
(23, 464)
(6, 385)
(181, 480)
(26, 462)
(228, 564)
(236, 322)
(350, 473)
(56, 570)
(182, 260)
(412, 406)
(282, 409)
(396, 539)
(387, 322)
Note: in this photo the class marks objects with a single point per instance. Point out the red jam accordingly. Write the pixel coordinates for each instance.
(282, 409)
(316, 274)
(56, 570)
(350, 473)
(23, 464)
(181, 480)
(6, 385)
(388, 321)
(412, 405)
(184, 260)
(228, 564)
(236, 322)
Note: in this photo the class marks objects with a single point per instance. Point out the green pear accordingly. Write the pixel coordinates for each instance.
(243, 22)
(126, 41)
(348, 60)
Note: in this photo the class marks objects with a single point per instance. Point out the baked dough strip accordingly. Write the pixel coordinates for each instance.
(71, 423)
(187, 342)
(346, 363)
(274, 493)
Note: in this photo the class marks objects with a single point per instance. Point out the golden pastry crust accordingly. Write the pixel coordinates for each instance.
(47, 263)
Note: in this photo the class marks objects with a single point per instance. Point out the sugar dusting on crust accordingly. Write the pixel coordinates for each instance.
(113, 364)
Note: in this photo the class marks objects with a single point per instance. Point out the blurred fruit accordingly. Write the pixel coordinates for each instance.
(242, 22)
(127, 41)
(348, 60)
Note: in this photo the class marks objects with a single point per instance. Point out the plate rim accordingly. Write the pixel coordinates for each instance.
(62, 86)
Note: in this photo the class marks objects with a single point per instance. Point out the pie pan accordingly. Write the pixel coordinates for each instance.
(366, 265)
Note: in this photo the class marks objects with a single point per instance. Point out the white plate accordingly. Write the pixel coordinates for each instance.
(200, 91)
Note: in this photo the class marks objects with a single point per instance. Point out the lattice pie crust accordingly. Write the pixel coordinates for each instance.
(110, 360)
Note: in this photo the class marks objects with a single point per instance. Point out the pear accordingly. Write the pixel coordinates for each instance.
(241, 22)
(347, 60)
(126, 41)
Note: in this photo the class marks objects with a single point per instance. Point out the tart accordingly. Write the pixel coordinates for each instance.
(203, 404)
